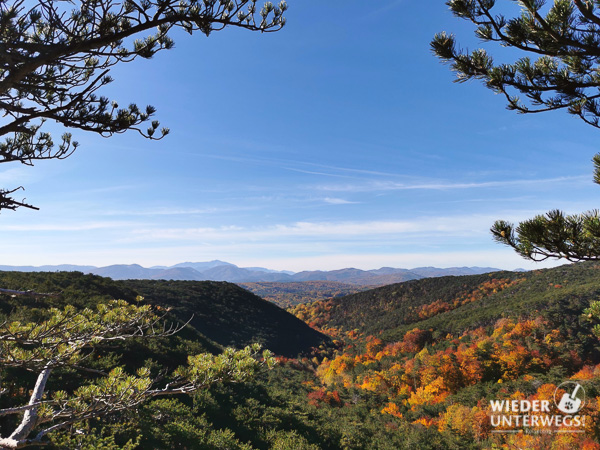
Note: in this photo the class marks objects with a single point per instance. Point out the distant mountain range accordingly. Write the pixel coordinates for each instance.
(223, 271)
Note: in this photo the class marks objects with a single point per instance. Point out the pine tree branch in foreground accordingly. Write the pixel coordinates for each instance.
(555, 235)
(559, 70)
(68, 336)
(564, 41)
(54, 61)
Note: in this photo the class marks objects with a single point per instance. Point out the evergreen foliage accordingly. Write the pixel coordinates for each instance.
(230, 315)
(564, 40)
(68, 337)
(219, 313)
(573, 237)
(56, 56)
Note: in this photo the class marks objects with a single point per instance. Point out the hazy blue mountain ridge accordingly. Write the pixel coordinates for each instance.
(223, 271)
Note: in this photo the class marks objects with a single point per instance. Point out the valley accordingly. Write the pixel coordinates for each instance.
(407, 365)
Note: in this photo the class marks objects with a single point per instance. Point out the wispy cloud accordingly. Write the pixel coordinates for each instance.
(65, 227)
(445, 226)
(302, 166)
(163, 211)
(15, 176)
(312, 172)
(107, 189)
(350, 169)
(373, 186)
(337, 201)
(441, 241)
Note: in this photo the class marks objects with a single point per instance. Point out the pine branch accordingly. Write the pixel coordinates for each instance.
(54, 61)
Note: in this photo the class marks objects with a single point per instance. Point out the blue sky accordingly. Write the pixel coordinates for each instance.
(339, 141)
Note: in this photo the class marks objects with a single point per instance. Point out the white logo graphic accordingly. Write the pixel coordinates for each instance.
(572, 400)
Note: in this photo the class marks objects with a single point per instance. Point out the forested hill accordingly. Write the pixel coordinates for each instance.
(230, 315)
(222, 313)
(413, 366)
(454, 304)
(432, 354)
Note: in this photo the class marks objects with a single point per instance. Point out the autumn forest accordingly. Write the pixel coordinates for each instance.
(409, 365)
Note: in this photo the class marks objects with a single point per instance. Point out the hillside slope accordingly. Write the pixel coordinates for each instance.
(221, 313)
(431, 355)
(230, 315)
(456, 303)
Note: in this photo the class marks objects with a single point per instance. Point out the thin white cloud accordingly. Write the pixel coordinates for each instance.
(462, 225)
(15, 176)
(312, 172)
(106, 189)
(362, 171)
(337, 201)
(440, 186)
(162, 211)
(300, 166)
(65, 227)
(349, 169)
(441, 241)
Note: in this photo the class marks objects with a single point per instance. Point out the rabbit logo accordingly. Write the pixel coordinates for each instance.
(572, 400)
